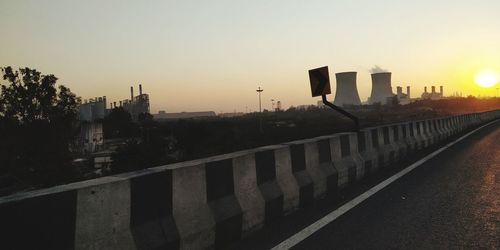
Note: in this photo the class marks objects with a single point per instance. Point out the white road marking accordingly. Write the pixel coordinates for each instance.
(311, 229)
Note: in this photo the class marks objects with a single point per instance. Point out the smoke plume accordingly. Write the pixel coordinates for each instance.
(377, 69)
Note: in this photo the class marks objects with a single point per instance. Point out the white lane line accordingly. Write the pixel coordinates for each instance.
(311, 229)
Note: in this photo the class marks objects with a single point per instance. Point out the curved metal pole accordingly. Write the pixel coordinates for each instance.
(340, 110)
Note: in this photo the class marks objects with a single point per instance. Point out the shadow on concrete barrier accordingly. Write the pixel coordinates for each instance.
(211, 202)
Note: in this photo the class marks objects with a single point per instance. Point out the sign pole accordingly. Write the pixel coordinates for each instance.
(320, 86)
(342, 111)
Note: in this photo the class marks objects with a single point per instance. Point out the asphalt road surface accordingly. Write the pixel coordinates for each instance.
(451, 201)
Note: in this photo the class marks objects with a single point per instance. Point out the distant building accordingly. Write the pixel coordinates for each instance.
(305, 107)
(93, 109)
(233, 114)
(183, 115)
(137, 104)
(91, 137)
(91, 113)
(403, 99)
(433, 95)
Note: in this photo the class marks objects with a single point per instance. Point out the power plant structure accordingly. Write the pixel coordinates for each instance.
(402, 97)
(381, 88)
(137, 104)
(433, 95)
(347, 91)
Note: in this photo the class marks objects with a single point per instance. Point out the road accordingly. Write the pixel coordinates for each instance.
(451, 201)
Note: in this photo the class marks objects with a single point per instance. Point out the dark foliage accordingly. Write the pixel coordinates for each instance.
(119, 124)
(150, 150)
(37, 123)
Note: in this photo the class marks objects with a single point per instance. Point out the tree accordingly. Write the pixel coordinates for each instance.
(119, 124)
(37, 123)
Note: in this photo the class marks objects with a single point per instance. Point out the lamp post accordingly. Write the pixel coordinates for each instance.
(259, 91)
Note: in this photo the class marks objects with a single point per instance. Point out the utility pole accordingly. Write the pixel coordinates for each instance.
(259, 90)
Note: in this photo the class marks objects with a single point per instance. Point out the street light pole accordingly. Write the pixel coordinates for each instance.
(259, 90)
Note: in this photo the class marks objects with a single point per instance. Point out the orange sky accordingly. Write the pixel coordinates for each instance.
(212, 55)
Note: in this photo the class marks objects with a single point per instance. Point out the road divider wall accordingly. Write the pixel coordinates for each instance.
(211, 202)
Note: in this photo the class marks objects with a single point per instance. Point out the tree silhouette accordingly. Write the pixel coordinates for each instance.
(37, 123)
(119, 124)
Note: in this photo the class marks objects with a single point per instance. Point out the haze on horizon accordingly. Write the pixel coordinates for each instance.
(212, 55)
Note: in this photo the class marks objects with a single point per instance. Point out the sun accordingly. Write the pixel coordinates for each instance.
(486, 78)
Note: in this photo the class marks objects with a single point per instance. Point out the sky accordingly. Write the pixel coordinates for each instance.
(212, 55)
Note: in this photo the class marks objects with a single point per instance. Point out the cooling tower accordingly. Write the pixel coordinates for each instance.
(347, 92)
(381, 88)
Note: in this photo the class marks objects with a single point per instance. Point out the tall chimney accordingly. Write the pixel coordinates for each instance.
(114, 104)
(408, 91)
(433, 89)
(441, 90)
(121, 103)
(140, 89)
(131, 93)
(399, 91)
(104, 102)
(425, 89)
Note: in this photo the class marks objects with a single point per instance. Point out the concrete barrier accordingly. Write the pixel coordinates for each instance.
(211, 202)
(368, 155)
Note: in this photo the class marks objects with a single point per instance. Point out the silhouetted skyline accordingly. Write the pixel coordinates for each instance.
(212, 55)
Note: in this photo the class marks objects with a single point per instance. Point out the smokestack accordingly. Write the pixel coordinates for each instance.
(399, 90)
(121, 103)
(114, 104)
(441, 90)
(408, 91)
(140, 89)
(347, 92)
(425, 89)
(381, 87)
(433, 89)
(131, 93)
(104, 102)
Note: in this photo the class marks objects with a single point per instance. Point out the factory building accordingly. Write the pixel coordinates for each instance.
(346, 92)
(433, 95)
(381, 88)
(403, 98)
(137, 104)
(91, 113)
(92, 109)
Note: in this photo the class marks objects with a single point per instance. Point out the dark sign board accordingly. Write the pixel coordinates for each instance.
(320, 81)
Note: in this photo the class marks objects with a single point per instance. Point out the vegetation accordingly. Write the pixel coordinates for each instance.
(37, 123)
(187, 139)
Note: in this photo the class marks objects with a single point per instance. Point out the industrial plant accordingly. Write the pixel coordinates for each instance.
(433, 95)
(381, 88)
(94, 110)
(347, 91)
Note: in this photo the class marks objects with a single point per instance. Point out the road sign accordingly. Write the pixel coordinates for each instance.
(320, 81)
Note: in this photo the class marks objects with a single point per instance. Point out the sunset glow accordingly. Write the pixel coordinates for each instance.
(486, 78)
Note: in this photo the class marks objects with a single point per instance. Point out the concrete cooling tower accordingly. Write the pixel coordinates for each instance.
(347, 92)
(381, 88)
